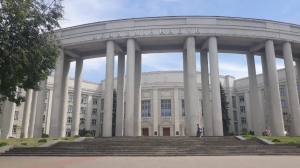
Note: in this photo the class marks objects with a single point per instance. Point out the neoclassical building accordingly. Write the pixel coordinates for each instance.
(199, 96)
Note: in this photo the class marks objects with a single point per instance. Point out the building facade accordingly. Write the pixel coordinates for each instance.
(162, 105)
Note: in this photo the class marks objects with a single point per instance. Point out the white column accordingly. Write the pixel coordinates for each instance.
(194, 113)
(186, 94)
(207, 115)
(267, 93)
(262, 112)
(32, 114)
(137, 94)
(292, 86)
(89, 109)
(215, 87)
(26, 113)
(109, 88)
(77, 98)
(254, 103)
(120, 95)
(47, 125)
(176, 111)
(57, 96)
(278, 128)
(155, 112)
(129, 116)
(8, 119)
(38, 124)
(64, 100)
(248, 111)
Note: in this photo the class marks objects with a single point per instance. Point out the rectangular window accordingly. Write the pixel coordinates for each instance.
(84, 100)
(95, 101)
(183, 108)
(83, 109)
(94, 112)
(70, 109)
(101, 129)
(285, 115)
(44, 117)
(283, 103)
(45, 106)
(282, 91)
(146, 108)
(69, 120)
(14, 129)
(16, 116)
(47, 94)
(243, 120)
(241, 98)
(93, 132)
(71, 98)
(101, 117)
(235, 115)
(166, 107)
(94, 121)
(236, 127)
(244, 130)
(243, 109)
(19, 90)
(102, 104)
(82, 121)
(233, 102)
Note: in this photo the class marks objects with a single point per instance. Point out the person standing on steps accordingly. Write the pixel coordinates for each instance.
(199, 131)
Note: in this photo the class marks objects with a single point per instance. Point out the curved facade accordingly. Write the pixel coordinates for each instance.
(207, 35)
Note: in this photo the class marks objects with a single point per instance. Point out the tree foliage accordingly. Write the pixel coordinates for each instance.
(28, 45)
(225, 115)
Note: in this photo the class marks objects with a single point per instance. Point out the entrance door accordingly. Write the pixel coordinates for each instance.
(166, 131)
(145, 131)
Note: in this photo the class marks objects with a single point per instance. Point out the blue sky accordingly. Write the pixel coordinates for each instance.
(87, 11)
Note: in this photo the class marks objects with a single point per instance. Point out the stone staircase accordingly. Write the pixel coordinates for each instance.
(156, 146)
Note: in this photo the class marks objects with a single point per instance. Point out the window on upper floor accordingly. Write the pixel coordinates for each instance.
(16, 115)
(243, 120)
(146, 108)
(233, 102)
(285, 115)
(45, 106)
(94, 112)
(83, 109)
(47, 94)
(69, 120)
(71, 97)
(19, 90)
(282, 91)
(84, 100)
(102, 104)
(241, 98)
(82, 121)
(182, 108)
(95, 101)
(44, 118)
(235, 115)
(70, 109)
(14, 129)
(101, 117)
(166, 107)
(242, 109)
(94, 121)
(283, 103)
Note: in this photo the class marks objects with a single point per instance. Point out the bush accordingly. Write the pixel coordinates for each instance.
(292, 142)
(245, 133)
(232, 133)
(83, 132)
(264, 134)
(44, 140)
(88, 135)
(276, 140)
(77, 136)
(3, 144)
(253, 137)
(45, 136)
(24, 144)
(55, 139)
(66, 139)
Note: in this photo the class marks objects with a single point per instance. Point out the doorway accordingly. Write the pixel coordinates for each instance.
(145, 131)
(166, 131)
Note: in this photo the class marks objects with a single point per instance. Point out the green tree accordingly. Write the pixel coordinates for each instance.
(28, 45)
(114, 113)
(225, 116)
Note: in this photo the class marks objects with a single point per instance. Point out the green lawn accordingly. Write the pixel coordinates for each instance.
(284, 140)
(32, 141)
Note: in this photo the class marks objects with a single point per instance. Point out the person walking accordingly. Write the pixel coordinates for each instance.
(198, 130)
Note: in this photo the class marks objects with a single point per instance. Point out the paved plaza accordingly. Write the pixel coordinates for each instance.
(151, 162)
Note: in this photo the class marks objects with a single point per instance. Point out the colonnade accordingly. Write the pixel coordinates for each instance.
(212, 117)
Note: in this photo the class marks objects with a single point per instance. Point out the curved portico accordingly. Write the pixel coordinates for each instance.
(208, 35)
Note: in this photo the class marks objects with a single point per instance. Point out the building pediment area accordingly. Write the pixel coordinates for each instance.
(166, 103)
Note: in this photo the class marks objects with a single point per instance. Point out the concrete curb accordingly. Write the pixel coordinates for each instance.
(265, 141)
(5, 148)
(81, 139)
(240, 138)
(48, 144)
